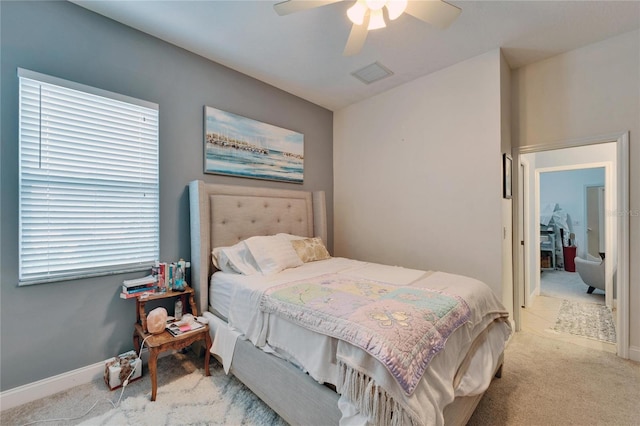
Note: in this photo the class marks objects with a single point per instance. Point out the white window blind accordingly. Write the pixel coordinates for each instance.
(89, 190)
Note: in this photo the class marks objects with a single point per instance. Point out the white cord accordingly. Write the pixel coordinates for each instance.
(124, 385)
(71, 418)
(133, 370)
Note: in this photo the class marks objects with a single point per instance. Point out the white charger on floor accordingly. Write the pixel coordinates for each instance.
(119, 369)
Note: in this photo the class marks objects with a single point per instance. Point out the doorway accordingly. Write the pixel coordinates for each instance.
(566, 223)
(611, 153)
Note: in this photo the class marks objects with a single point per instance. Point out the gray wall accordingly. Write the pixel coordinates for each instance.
(54, 328)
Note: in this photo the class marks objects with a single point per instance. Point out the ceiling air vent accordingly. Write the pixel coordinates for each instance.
(371, 73)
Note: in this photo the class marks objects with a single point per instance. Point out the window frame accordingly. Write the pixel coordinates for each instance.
(152, 208)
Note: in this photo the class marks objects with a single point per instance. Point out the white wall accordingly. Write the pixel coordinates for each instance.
(417, 174)
(581, 94)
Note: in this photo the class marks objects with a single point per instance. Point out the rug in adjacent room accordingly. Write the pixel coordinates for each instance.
(590, 320)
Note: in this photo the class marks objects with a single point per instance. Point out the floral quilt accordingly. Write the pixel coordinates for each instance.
(403, 327)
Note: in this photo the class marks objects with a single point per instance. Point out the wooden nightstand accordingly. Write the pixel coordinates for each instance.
(165, 341)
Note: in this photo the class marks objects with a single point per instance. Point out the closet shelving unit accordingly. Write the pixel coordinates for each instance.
(547, 249)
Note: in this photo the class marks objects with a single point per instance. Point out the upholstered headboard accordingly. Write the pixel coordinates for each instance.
(222, 215)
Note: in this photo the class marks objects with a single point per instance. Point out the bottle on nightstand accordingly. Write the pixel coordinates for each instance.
(178, 310)
(178, 281)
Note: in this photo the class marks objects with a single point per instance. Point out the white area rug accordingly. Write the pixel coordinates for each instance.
(193, 399)
(586, 319)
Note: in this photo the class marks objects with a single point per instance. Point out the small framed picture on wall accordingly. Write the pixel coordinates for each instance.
(507, 171)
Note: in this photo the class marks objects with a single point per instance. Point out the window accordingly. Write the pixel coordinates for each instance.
(89, 191)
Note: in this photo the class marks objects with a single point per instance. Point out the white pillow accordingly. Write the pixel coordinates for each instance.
(273, 253)
(220, 264)
(235, 259)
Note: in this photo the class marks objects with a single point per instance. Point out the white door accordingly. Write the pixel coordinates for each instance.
(595, 218)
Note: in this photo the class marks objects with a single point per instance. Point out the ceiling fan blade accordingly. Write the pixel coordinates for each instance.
(356, 40)
(292, 6)
(435, 12)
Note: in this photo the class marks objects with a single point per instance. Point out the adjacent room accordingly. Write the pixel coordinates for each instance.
(572, 226)
(310, 213)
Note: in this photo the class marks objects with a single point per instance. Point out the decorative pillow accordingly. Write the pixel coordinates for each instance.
(273, 253)
(236, 259)
(310, 249)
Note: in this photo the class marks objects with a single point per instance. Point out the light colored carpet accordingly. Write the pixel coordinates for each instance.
(551, 382)
(544, 382)
(193, 400)
(185, 397)
(568, 285)
(589, 320)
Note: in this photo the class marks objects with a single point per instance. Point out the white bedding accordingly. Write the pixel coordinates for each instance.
(236, 298)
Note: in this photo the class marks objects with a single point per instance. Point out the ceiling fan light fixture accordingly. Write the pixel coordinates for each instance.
(395, 8)
(357, 12)
(370, 15)
(376, 20)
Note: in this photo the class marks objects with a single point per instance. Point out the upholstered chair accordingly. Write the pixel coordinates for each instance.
(591, 272)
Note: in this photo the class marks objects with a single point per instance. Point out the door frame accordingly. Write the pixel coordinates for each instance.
(620, 217)
(524, 259)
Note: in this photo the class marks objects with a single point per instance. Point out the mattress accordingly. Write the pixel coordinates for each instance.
(235, 298)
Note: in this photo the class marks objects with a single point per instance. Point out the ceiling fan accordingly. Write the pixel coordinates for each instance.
(372, 14)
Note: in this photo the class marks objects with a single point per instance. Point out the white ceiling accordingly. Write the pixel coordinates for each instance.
(302, 53)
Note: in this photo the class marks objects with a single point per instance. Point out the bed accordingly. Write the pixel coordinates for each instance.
(312, 377)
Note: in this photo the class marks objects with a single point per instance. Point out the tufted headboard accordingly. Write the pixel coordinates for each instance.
(222, 215)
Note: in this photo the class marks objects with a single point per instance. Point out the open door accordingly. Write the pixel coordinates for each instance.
(595, 237)
(523, 225)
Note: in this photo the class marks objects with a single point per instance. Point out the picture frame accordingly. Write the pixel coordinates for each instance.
(507, 173)
(238, 146)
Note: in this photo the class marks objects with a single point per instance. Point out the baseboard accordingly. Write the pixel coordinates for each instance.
(634, 353)
(52, 385)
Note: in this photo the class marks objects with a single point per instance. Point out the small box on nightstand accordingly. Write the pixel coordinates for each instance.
(118, 368)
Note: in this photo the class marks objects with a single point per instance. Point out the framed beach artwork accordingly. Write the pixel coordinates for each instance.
(239, 146)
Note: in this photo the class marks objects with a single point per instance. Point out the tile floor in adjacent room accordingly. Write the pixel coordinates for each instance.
(540, 318)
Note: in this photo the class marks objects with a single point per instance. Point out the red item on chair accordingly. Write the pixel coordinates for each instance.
(569, 256)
